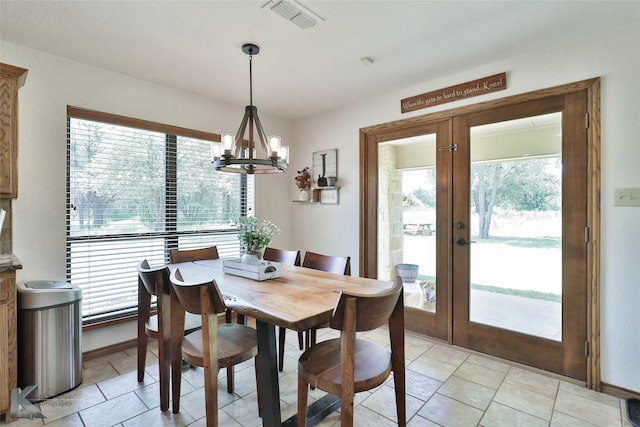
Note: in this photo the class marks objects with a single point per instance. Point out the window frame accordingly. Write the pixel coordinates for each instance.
(170, 234)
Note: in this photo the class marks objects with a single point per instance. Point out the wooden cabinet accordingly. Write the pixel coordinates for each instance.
(11, 79)
(8, 340)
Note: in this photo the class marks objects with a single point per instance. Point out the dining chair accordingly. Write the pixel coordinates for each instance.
(217, 346)
(348, 365)
(289, 258)
(155, 282)
(189, 255)
(186, 255)
(330, 264)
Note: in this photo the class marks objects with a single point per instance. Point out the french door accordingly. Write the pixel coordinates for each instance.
(519, 275)
(502, 233)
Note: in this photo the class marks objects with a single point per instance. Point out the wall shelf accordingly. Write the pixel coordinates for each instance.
(322, 195)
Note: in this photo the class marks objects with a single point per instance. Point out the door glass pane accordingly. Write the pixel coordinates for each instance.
(407, 217)
(516, 225)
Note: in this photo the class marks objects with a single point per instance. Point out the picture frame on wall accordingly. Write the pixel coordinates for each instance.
(329, 196)
(325, 167)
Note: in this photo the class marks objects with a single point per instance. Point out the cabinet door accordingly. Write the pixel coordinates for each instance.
(8, 356)
(11, 78)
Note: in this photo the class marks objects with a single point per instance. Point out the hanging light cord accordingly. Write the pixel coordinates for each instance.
(250, 80)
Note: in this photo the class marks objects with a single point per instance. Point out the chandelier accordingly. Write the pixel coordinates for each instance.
(237, 155)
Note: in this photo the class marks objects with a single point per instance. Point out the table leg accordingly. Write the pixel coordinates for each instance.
(268, 371)
(317, 411)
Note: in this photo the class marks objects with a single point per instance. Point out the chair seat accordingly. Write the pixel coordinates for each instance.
(320, 365)
(192, 322)
(236, 343)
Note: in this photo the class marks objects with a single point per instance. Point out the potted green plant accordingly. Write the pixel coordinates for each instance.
(255, 235)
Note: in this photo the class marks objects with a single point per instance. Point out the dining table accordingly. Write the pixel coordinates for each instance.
(299, 300)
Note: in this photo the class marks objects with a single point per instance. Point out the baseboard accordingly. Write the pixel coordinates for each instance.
(110, 349)
(619, 391)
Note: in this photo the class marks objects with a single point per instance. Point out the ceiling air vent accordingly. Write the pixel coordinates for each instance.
(294, 12)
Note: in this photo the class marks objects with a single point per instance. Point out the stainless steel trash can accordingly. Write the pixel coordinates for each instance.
(49, 337)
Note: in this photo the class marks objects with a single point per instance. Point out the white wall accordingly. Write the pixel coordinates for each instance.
(53, 83)
(39, 211)
(613, 57)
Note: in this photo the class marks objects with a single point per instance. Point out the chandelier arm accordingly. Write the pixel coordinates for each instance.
(241, 132)
(261, 135)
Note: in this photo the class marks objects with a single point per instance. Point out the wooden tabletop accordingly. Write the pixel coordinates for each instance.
(300, 299)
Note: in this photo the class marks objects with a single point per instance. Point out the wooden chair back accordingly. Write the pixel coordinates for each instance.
(154, 280)
(187, 255)
(328, 263)
(371, 311)
(203, 298)
(281, 255)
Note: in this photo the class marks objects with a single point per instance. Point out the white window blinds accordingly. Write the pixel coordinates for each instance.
(135, 190)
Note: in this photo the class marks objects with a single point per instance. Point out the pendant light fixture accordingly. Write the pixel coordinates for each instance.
(237, 155)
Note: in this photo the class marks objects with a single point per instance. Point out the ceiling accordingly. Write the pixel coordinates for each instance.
(195, 46)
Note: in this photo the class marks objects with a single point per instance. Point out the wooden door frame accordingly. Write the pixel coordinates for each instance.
(371, 136)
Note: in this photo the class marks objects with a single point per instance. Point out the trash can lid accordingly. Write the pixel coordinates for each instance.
(40, 294)
(45, 284)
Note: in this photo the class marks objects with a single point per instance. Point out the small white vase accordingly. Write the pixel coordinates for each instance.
(250, 257)
(304, 195)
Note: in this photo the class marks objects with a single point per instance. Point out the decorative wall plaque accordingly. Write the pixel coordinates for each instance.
(455, 93)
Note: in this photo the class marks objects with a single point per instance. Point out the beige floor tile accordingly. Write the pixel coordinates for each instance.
(113, 411)
(418, 421)
(447, 354)
(581, 390)
(498, 415)
(72, 420)
(363, 416)
(288, 385)
(587, 409)
(244, 411)
(563, 420)
(150, 395)
(412, 351)
(193, 403)
(480, 374)
(71, 402)
(533, 381)
(122, 384)
(97, 373)
(449, 412)
(130, 363)
(488, 362)
(473, 394)
(383, 401)
(419, 385)
(433, 368)
(103, 359)
(525, 400)
(155, 417)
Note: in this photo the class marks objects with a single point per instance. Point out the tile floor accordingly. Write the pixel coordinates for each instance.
(446, 386)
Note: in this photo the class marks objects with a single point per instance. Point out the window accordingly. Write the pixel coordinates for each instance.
(136, 189)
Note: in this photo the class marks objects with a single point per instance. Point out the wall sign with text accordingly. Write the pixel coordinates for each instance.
(454, 93)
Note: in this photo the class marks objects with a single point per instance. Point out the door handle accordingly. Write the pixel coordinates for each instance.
(461, 242)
